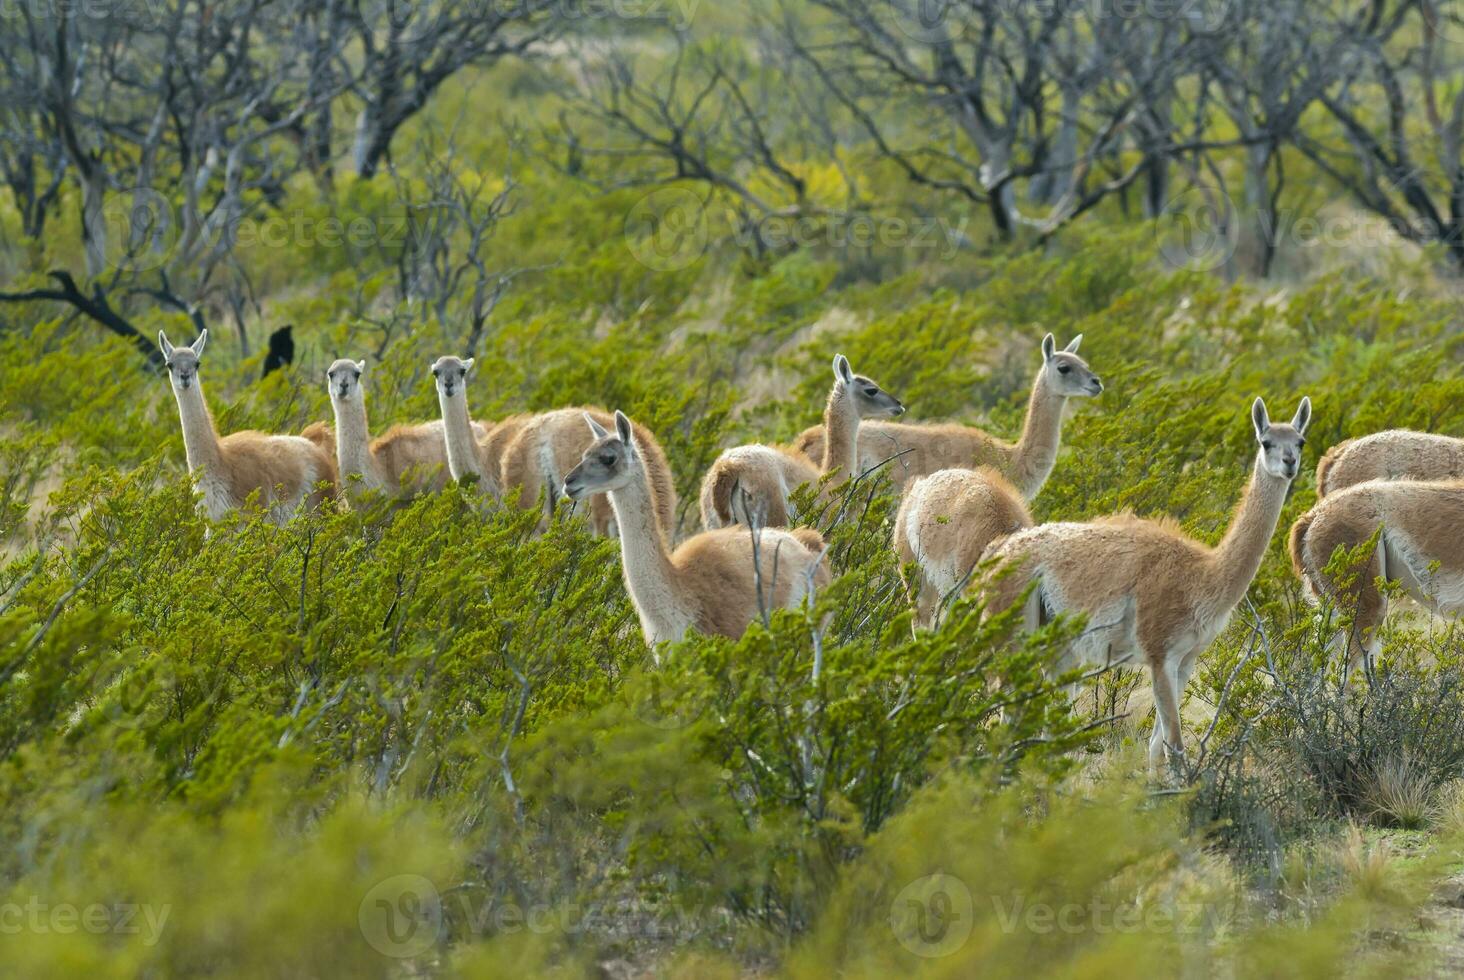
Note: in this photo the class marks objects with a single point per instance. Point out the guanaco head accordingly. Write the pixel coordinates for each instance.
(182, 361)
(607, 464)
(451, 374)
(343, 379)
(1066, 372)
(873, 401)
(1281, 444)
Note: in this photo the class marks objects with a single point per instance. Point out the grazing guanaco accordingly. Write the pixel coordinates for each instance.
(714, 582)
(286, 472)
(949, 518)
(763, 477)
(1420, 547)
(1148, 590)
(1398, 454)
(918, 450)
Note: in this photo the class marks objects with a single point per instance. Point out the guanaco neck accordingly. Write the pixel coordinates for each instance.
(649, 574)
(841, 428)
(353, 439)
(462, 449)
(200, 440)
(1036, 451)
(1238, 555)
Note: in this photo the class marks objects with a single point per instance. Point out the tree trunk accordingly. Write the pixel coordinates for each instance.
(1262, 234)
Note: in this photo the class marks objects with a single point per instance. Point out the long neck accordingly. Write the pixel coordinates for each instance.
(841, 423)
(1238, 555)
(648, 570)
(353, 437)
(462, 449)
(200, 441)
(1036, 451)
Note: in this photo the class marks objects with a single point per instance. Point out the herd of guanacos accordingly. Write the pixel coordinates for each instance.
(1150, 594)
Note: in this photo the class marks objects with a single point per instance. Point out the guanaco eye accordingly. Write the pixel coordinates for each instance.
(1063, 369)
(436, 373)
(608, 459)
(1266, 444)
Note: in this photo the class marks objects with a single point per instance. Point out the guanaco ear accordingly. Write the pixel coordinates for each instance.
(1072, 348)
(361, 365)
(468, 366)
(1302, 418)
(596, 428)
(1049, 347)
(623, 430)
(198, 344)
(1260, 418)
(163, 344)
(842, 371)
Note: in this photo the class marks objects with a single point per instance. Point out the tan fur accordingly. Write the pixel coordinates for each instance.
(403, 462)
(1398, 454)
(758, 479)
(413, 458)
(945, 523)
(710, 583)
(1422, 523)
(1149, 592)
(546, 447)
(765, 475)
(321, 434)
(912, 450)
(286, 472)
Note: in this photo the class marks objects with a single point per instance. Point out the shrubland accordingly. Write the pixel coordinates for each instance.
(425, 739)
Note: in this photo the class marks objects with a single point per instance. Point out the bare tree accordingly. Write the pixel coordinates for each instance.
(443, 260)
(176, 121)
(993, 94)
(1397, 99)
(408, 49)
(1267, 69)
(730, 117)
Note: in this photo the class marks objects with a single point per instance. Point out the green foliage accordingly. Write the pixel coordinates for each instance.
(273, 731)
